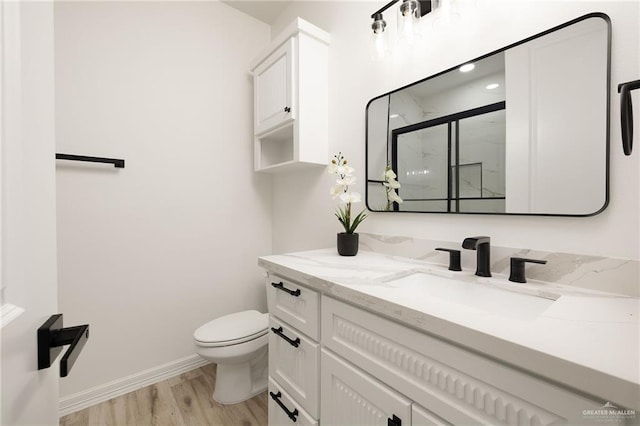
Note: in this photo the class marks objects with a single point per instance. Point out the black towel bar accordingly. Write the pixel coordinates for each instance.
(626, 114)
(118, 163)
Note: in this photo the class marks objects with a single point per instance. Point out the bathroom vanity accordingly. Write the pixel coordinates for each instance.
(385, 340)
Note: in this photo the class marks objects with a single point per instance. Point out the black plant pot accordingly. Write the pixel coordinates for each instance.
(347, 244)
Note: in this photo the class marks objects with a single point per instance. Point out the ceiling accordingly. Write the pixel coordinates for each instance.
(264, 10)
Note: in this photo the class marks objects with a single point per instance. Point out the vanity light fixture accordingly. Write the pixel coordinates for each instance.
(408, 15)
(467, 67)
(409, 12)
(378, 38)
(492, 86)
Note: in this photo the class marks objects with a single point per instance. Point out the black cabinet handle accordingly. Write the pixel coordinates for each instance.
(51, 338)
(287, 109)
(454, 258)
(517, 268)
(394, 421)
(281, 286)
(626, 114)
(278, 331)
(292, 414)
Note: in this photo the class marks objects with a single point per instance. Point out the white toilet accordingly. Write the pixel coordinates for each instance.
(237, 343)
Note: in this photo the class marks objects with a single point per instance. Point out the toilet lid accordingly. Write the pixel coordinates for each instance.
(239, 326)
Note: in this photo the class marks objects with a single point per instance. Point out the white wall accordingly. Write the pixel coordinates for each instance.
(150, 252)
(482, 26)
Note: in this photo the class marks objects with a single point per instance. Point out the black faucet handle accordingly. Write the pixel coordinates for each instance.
(472, 243)
(517, 268)
(454, 258)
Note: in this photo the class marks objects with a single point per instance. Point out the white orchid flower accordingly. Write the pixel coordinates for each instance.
(350, 197)
(345, 170)
(332, 169)
(393, 196)
(389, 175)
(348, 180)
(392, 184)
(337, 190)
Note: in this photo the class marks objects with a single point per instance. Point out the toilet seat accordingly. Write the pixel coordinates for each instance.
(232, 329)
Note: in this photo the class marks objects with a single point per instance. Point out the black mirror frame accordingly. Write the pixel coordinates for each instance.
(601, 15)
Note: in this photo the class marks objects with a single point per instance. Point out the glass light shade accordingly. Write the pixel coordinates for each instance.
(408, 15)
(378, 44)
(379, 47)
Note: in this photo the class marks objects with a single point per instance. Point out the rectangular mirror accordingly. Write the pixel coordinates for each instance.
(523, 130)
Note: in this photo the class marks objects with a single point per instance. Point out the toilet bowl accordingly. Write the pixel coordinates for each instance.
(237, 343)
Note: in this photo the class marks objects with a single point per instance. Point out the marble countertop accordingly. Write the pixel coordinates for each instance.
(585, 339)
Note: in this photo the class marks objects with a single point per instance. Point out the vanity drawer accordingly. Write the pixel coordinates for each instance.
(297, 305)
(284, 410)
(458, 385)
(294, 362)
(423, 417)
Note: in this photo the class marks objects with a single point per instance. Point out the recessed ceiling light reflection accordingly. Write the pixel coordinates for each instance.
(492, 86)
(394, 115)
(467, 67)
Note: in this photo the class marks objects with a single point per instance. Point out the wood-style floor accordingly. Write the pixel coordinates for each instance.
(184, 400)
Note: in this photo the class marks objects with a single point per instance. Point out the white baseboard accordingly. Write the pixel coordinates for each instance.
(78, 401)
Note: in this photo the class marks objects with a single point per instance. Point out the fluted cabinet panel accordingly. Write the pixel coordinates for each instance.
(350, 397)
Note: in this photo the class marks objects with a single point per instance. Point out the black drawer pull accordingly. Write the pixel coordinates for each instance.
(281, 286)
(394, 421)
(278, 331)
(292, 414)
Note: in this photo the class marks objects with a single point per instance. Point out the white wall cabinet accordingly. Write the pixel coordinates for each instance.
(273, 88)
(291, 100)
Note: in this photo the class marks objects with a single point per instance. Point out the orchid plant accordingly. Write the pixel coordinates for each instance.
(340, 190)
(391, 185)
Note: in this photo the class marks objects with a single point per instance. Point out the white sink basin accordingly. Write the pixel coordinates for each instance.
(469, 293)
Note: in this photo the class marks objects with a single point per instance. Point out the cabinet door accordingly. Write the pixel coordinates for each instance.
(350, 397)
(423, 417)
(273, 89)
(294, 362)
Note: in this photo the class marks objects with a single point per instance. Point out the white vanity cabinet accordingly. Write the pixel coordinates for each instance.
(456, 385)
(294, 352)
(291, 99)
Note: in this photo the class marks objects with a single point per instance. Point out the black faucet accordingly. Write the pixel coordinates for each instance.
(483, 258)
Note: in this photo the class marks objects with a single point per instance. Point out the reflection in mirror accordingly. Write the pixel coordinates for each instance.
(523, 130)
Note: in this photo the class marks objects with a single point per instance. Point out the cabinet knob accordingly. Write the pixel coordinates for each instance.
(287, 109)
